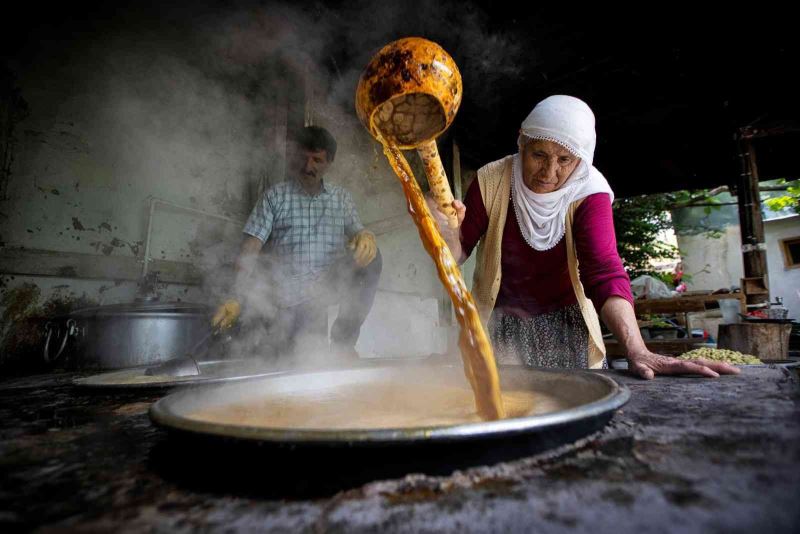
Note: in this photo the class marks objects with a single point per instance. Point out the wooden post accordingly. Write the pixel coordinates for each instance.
(767, 341)
(754, 250)
(446, 312)
(308, 94)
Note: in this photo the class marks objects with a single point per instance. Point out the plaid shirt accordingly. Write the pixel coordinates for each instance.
(304, 235)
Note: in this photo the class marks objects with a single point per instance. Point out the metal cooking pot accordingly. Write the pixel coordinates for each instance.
(126, 335)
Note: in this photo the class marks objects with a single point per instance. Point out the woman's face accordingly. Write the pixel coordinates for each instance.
(546, 165)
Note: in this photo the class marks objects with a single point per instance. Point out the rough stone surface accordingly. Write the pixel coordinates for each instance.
(685, 455)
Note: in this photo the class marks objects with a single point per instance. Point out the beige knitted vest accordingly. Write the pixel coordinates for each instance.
(495, 183)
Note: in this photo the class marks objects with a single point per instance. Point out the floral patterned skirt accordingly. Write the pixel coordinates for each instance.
(555, 339)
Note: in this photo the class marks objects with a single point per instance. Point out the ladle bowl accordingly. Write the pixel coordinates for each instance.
(409, 94)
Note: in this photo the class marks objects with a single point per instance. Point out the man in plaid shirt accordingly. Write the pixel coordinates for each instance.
(318, 253)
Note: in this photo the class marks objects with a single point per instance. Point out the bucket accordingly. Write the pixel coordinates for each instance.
(730, 310)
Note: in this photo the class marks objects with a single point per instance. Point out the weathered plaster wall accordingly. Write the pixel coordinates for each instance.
(158, 113)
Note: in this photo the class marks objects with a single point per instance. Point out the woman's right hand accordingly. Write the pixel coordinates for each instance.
(441, 219)
(451, 236)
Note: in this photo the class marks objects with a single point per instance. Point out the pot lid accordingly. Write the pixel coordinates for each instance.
(142, 307)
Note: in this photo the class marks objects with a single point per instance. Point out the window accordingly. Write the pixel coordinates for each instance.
(791, 252)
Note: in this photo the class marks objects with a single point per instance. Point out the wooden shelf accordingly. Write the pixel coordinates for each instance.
(686, 304)
(754, 286)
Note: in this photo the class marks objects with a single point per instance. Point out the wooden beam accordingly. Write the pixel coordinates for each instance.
(36, 262)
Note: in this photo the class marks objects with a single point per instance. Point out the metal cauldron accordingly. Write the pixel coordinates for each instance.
(125, 335)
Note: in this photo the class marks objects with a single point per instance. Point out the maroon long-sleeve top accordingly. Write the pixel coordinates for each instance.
(535, 282)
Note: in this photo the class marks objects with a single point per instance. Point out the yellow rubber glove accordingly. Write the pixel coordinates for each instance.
(364, 248)
(226, 314)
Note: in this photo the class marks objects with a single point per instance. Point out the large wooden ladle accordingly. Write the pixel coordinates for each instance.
(408, 95)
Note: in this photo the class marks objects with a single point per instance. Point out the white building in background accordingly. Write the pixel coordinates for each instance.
(716, 262)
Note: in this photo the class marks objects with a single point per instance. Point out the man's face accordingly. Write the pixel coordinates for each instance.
(310, 166)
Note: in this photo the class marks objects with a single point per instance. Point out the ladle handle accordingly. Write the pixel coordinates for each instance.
(437, 179)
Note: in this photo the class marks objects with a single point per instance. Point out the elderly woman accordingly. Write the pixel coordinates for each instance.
(547, 260)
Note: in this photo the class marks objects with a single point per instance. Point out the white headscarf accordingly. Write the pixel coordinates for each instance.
(568, 121)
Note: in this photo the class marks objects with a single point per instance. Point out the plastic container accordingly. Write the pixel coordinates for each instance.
(730, 310)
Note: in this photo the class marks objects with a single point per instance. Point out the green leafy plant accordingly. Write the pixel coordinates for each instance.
(790, 200)
(638, 222)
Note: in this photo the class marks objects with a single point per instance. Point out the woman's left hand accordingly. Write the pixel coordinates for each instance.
(647, 364)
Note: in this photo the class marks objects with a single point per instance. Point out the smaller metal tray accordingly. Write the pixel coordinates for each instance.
(211, 372)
